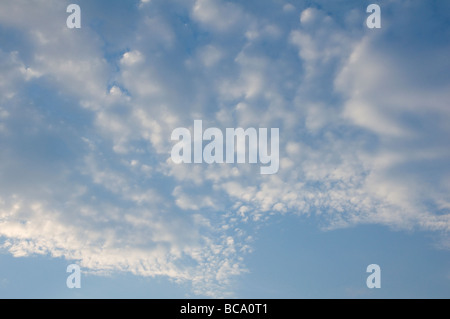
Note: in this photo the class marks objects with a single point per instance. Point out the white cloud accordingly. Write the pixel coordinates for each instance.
(218, 14)
(131, 58)
(309, 15)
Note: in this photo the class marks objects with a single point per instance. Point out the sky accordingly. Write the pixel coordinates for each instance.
(87, 178)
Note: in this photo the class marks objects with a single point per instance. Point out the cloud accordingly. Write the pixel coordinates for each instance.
(85, 168)
(132, 58)
(220, 15)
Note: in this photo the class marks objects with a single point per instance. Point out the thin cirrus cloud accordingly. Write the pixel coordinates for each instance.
(86, 124)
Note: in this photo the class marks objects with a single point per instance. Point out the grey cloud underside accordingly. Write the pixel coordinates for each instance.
(85, 133)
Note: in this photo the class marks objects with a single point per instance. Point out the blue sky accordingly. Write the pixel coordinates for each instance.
(86, 177)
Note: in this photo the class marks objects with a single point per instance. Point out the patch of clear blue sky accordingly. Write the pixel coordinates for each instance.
(294, 259)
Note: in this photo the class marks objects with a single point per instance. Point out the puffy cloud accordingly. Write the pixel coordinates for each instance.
(220, 15)
(132, 58)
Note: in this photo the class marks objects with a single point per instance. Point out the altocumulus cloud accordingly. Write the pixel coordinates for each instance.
(86, 118)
